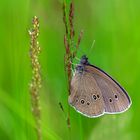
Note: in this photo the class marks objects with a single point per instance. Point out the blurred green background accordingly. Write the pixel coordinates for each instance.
(113, 24)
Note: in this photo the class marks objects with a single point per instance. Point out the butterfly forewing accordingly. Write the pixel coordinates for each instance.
(86, 96)
(115, 97)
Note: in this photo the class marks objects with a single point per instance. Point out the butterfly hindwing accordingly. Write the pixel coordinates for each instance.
(86, 96)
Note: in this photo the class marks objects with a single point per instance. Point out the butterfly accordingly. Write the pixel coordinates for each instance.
(94, 92)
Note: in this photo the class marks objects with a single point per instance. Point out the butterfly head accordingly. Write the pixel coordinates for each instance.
(84, 60)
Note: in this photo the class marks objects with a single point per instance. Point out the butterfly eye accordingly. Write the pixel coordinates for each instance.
(82, 101)
(94, 97)
(110, 100)
(80, 68)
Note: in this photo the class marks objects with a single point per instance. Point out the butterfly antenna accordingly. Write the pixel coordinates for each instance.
(90, 50)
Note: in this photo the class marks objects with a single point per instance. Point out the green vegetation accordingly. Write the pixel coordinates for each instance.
(115, 27)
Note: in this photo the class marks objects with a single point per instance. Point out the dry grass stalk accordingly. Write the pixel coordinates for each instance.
(35, 84)
(69, 45)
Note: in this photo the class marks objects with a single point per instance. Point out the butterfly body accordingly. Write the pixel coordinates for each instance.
(94, 92)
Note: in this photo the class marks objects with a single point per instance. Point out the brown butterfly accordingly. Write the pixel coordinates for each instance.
(94, 92)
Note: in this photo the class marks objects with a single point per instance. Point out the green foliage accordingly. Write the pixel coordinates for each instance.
(114, 25)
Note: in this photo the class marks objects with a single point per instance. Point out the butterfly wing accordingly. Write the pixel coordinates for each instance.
(86, 96)
(115, 97)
